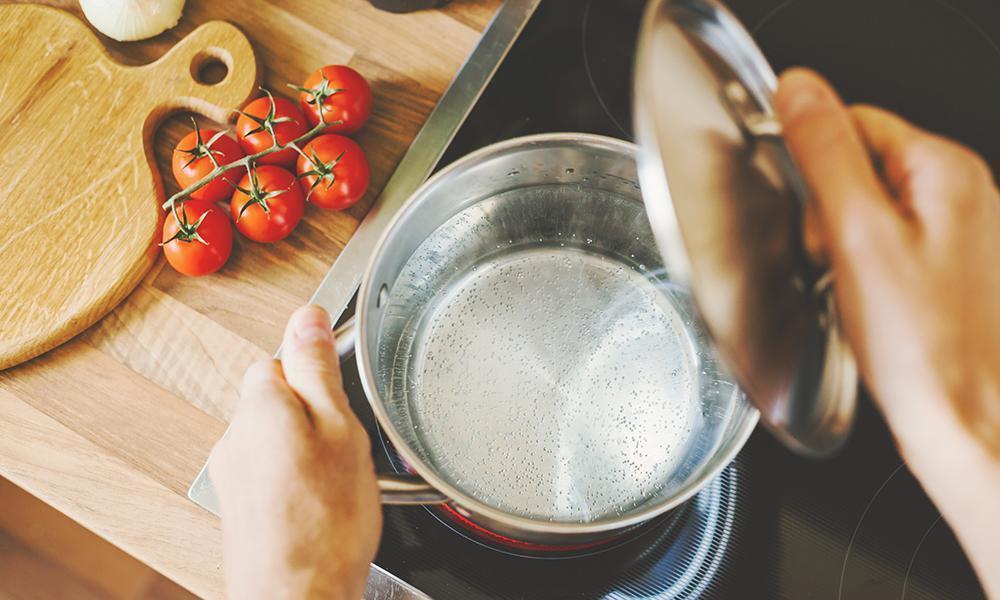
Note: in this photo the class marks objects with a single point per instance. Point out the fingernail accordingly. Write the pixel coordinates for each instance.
(312, 324)
(800, 90)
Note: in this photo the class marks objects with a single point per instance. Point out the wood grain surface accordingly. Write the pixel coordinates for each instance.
(80, 196)
(112, 426)
(44, 554)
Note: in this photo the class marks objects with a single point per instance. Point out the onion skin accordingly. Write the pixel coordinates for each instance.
(131, 20)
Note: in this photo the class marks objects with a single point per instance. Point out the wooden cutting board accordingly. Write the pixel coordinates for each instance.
(79, 190)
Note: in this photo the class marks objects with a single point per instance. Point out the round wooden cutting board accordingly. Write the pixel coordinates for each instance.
(79, 191)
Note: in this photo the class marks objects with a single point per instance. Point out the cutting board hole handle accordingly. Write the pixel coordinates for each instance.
(211, 71)
(211, 66)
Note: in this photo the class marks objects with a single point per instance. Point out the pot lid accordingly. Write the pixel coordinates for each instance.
(726, 205)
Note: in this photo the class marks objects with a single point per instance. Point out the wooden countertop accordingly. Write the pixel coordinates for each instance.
(113, 426)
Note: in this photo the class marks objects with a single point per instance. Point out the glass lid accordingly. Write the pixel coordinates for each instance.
(726, 203)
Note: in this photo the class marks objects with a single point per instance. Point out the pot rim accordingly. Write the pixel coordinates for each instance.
(456, 495)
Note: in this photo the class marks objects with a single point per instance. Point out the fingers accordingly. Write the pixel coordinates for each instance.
(833, 159)
(268, 410)
(887, 136)
(311, 365)
(930, 175)
(265, 391)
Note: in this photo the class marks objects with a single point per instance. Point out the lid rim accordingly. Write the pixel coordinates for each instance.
(725, 200)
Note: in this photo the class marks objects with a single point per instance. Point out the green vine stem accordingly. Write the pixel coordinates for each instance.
(246, 161)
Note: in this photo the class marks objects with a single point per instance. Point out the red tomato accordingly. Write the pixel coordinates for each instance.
(267, 204)
(342, 92)
(191, 162)
(259, 118)
(201, 242)
(336, 172)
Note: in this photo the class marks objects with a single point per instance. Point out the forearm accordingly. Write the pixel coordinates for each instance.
(962, 478)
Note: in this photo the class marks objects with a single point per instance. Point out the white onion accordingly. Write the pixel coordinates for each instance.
(128, 20)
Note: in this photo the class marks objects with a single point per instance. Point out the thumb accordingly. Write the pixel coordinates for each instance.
(849, 195)
(311, 365)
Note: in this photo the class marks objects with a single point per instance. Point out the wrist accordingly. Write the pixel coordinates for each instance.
(960, 475)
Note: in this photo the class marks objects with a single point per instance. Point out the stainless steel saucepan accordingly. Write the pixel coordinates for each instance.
(529, 356)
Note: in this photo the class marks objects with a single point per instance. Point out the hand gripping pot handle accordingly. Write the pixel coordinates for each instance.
(393, 488)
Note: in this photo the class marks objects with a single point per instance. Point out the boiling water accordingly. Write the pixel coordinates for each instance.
(554, 383)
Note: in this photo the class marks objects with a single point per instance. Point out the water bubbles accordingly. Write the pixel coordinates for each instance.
(547, 379)
(542, 383)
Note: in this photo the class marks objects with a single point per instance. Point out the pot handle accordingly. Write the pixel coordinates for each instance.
(344, 338)
(394, 489)
(404, 490)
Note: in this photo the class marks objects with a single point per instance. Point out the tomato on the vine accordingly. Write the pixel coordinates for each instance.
(268, 119)
(200, 242)
(267, 204)
(341, 93)
(335, 173)
(197, 154)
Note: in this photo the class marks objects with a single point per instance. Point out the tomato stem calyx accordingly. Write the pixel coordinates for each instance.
(322, 171)
(187, 232)
(268, 121)
(202, 149)
(255, 194)
(319, 95)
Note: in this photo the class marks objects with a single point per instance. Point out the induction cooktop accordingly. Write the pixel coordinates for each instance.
(773, 524)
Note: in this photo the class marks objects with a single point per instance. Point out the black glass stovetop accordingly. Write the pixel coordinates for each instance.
(773, 525)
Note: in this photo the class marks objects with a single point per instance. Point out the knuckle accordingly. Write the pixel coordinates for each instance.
(929, 165)
(978, 169)
(261, 371)
(315, 382)
(948, 177)
(266, 406)
(856, 238)
(309, 364)
(949, 160)
(344, 431)
(925, 155)
(854, 241)
(337, 426)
